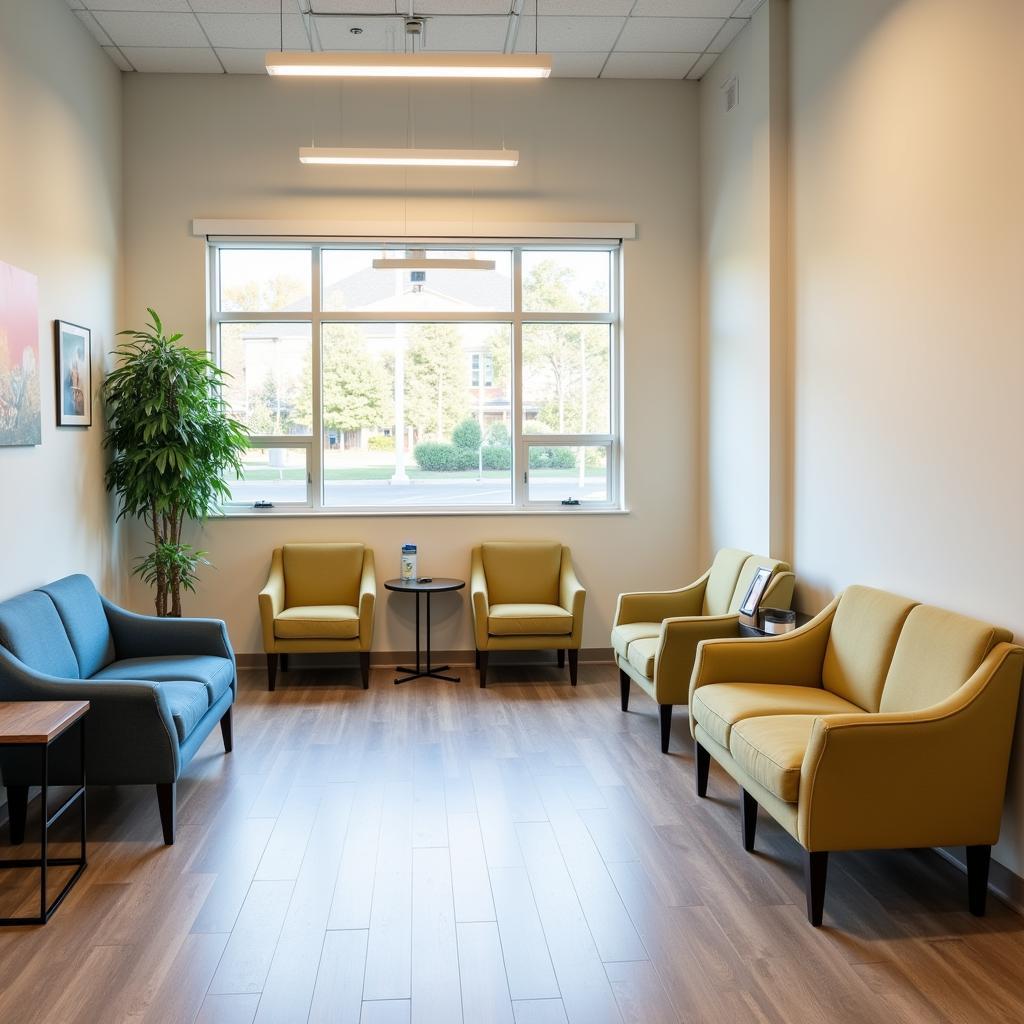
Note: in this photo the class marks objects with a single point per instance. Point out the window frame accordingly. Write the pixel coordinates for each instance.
(516, 317)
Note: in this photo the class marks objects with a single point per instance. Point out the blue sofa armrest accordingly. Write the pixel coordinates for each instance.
(144, 636)
(129, 722)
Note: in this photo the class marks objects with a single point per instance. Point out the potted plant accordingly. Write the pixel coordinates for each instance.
(171, 441)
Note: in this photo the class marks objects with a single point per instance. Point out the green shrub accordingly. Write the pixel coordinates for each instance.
(381, 443)
(437, 457)
(497, 456)
(467, 435)
(552, 458)
(498, 436)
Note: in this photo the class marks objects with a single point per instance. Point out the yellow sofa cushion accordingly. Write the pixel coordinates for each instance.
(746, 577)
(530, 619)
(937, 653)
(861, 642)
(771, 750)
(719, 706)
(522, 572)
(641, 655)
(322, 574)
(318, 622)
(624, 635)
(725, 570)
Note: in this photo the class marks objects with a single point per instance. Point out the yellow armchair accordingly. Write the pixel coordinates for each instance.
(655, 635)
(843, 731)
(525, 596)
(318, 599)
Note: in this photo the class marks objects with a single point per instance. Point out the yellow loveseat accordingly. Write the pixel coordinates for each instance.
(655, 635)
(526, 597)
(318, 599)
(880, 724)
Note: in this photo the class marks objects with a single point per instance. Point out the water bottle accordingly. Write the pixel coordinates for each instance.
(409, 562)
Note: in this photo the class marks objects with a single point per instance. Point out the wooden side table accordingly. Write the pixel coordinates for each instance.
(39, 724)
(428, 586)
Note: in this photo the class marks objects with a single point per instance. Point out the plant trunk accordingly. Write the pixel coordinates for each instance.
(175, 580)
(161, 579)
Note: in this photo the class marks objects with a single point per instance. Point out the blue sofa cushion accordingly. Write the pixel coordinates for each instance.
(31, 630)
(188, 703)
(215, 673)
(85, 622)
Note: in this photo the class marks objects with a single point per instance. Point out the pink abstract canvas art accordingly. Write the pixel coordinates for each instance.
(20, 421)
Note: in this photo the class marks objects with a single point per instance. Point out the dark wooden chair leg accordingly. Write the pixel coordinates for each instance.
(364, 668)
(978, 858)
(225, 731)
(624, 689)
(284, 662)
(481, 663)
(476, 660)
(749, 820)
(665, 711)
(561, 657)
(17, 811)
(815, 873)
(574, 666)
(702, 759)
(166, 798)
(271, 672)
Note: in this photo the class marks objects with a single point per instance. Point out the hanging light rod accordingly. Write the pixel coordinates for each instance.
(417, 260)
(411, 157)
(409, 65)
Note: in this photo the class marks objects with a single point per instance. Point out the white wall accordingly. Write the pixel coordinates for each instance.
(60, 217)
(590, 151)
(743, 300)
(907, 256)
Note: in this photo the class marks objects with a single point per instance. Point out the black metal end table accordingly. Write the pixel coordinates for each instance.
(428, 586)
(38, 724)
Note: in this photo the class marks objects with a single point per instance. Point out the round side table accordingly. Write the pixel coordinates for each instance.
(433, 585)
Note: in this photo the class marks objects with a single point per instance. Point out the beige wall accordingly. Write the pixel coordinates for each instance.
(60, 217)
(744, 444)
(907, 256)
(590, 151)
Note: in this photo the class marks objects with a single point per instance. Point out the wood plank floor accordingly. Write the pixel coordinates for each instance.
(437, 853)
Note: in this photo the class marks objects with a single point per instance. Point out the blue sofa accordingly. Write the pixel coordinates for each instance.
(157, 687)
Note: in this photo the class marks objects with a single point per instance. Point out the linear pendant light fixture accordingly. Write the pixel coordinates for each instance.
(417, 259)
(409, 65)
(410, 157)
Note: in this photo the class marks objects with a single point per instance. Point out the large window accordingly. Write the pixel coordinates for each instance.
(432, 388)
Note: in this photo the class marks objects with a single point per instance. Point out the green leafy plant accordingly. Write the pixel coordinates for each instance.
(171, 441)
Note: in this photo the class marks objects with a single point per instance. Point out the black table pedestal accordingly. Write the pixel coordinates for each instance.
(427, 587)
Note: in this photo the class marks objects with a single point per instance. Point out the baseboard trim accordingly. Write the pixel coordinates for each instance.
(1006, 886)
(589, 655)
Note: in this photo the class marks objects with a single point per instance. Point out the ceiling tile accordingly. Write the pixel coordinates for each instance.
(578, 7)
(242, 6)
(172, 6)
(173, 59)
(699, 70)
(569, 35)
(243, 62)
(75, 5)
(665, 35)
(162, 30)
(382, 34)
(455, 33)
(94, 27)
(499, 7)
(255, 31)
(117, 57)
(648, 65)
(355, 6)
(684, 8)
(577, 65)
(746, 8)
(730, 30)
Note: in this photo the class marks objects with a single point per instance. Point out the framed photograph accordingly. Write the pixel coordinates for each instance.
(755, 591)
(20, 422)
(74, 374)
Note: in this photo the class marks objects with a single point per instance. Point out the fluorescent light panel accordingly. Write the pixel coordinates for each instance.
(411, 157)
(409, 65)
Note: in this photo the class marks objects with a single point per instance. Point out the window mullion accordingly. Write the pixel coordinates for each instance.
(315, 480)
(519, 461)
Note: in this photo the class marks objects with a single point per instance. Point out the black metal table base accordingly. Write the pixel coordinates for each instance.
(44, 861)
(420, 671)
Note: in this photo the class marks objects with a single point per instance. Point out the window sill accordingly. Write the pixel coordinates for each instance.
(308, 513)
